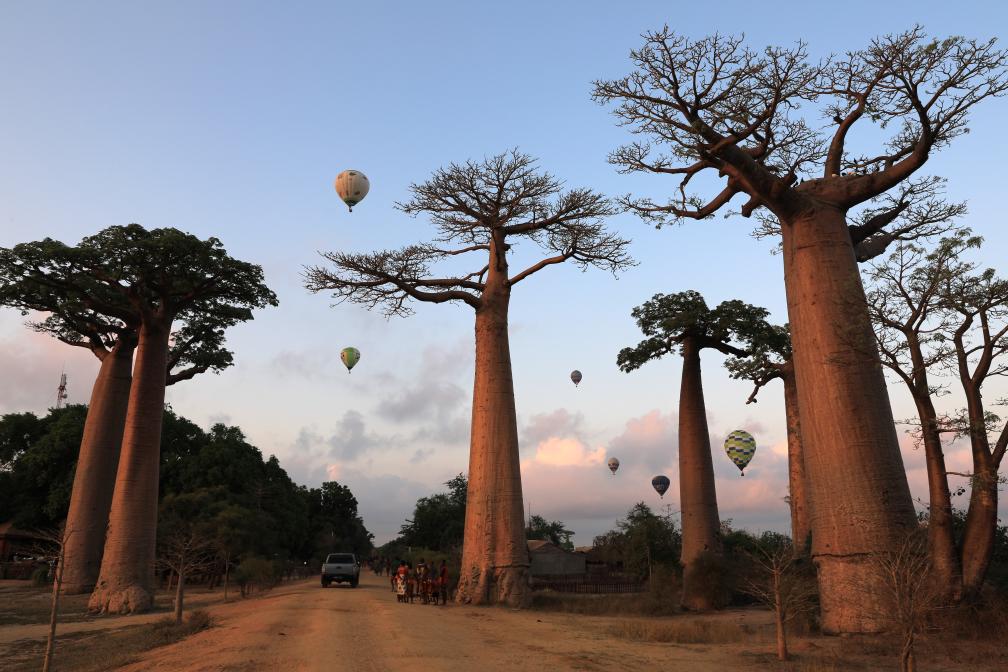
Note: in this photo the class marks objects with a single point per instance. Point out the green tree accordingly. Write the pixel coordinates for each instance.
(438, 520)
(35, 487)
(334, 523)
(642, 541)
(552, 531)
(141, 282)
(683, 323)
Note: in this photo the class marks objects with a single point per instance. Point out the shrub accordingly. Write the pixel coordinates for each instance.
(255, 573)
(40, 577)
(197, 620)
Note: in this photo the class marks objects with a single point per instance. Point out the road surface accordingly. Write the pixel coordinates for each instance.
(302, 627)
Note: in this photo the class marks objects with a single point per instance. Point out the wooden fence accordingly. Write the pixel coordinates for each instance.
(587, 583)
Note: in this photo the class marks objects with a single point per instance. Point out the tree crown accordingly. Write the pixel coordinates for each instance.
(716, 105)
(130, 275)
(670, 320)
(477, 206)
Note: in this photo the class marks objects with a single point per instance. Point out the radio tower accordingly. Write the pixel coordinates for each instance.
(61, 393)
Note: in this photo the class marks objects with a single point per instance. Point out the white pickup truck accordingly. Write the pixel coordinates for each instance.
(340, 567)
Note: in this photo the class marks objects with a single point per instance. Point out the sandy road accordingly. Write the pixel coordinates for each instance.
(305, 627)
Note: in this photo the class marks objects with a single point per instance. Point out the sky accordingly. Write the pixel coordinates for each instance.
(231, 119)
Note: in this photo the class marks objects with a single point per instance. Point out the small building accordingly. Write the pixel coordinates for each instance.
(600, 560)
(548, 559)
(15, 542)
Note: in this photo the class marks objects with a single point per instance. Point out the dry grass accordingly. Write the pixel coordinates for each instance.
(689, 630)
(24, 604)
(108, 649)
(624, 604)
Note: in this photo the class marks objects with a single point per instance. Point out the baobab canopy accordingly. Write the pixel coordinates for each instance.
(660, 484)
(740, 446)
(352, 186)
(350, 357)
(576, 377)
(613, 465)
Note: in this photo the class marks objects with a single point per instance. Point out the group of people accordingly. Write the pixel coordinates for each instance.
(424, 581)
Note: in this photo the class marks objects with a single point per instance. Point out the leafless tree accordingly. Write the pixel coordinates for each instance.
(785, 586)
(51, 547)
(185, 552)
(715, 107)
(910, 594)
(479, 208)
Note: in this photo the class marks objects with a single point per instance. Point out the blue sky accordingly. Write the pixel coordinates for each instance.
(231, 119)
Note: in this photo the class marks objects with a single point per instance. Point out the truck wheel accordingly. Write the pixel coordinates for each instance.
(325, 584)
(353, 583)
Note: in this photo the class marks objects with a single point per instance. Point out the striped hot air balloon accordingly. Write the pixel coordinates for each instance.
(740, 447)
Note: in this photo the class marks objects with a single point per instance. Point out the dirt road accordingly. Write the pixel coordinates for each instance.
(305, 627)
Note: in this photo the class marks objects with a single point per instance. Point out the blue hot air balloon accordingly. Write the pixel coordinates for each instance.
(660, 483)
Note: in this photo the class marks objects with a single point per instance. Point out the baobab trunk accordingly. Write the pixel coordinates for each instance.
(126, 581)
(97, 462)
(797, 495)
(495, 560)
(944, 557)
(701, 526)
(860, 501)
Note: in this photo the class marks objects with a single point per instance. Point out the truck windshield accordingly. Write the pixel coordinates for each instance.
(340, 558)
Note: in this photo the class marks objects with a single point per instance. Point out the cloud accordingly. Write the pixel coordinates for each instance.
(565, 452)
(385, 501)
(557, 423)
(351, 438)
(219, 418)
(650, 440)
(307, 364)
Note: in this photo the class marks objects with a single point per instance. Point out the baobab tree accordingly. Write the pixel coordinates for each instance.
(40, 277)
(479, 207)
(714, 106)
(683, 323)
(770, 358)
(147, 279)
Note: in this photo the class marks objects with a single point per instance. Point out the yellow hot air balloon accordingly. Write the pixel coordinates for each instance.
(352, 186)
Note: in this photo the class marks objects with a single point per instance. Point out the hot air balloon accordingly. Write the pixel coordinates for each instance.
(576, 377)
(660, 484)
(352, 186)
(613, 465)
(350, 357)
(740, 446)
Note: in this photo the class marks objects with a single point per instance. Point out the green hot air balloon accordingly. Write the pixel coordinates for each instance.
(350, 357)
(740, 446)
